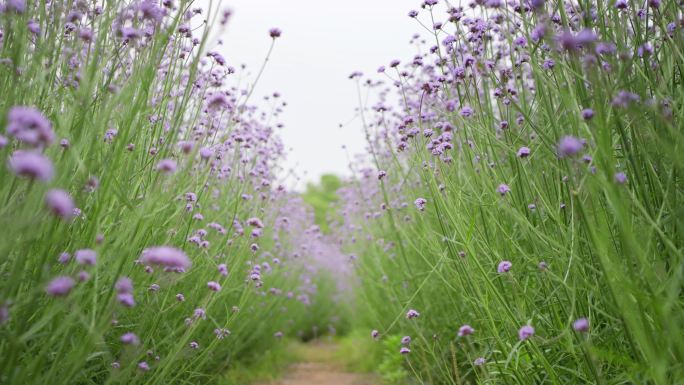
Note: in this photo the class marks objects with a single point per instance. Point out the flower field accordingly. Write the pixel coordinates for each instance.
(517, 217)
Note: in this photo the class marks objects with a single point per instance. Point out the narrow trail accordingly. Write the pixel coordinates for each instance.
(319, 367)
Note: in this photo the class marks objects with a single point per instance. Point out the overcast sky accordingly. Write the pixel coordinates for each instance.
(321, 44)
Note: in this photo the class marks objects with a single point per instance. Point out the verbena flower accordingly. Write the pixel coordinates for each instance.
(503, 189)
(31, 165)
(166, 256)
(504, 267)
(420, 203)
(59, 202)
(130, 339)
(620, 178)
(167, 166)
(525, 332)
(465, 330)
(29, 126)
(569, 146)
(581, 325)
(60, 286)
(86, 257)
(214, 286)
(523, 152)
(275, 32)
(412, 314)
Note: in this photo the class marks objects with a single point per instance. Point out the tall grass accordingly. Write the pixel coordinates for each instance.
(152, 141)
(588, 214)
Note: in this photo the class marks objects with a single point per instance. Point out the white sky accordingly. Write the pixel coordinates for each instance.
(322, 43)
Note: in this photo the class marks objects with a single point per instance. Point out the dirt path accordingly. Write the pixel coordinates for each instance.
(316, 373)
(319, 367)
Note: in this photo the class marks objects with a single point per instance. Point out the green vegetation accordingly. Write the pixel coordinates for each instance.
(322, 197)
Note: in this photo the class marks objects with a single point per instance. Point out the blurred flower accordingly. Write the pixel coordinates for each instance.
(130, 339)
(412, 314)
(59, 202)
(525, 332)
(504, 267)
(420, 203)
(581, 325)
(29, 126)
(569, 146)
(465, 330)
(86, 257)
(166, 256)
(31, 165)
(60, 286)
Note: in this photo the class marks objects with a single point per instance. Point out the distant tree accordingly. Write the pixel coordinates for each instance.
(322, 197)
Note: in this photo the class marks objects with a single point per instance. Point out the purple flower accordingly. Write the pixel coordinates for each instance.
(255, 222)
(180, 297)
(86, 257)
(18, 6)
(60, 203)
(412, 314)
(83, 276)
(166, 256)
(503, 189)
(206, 152)
(126, 299)
(275, 32)
(420, 203)
(60, 286)
(465, 330)
(382, 174)
(375, 334)
(581, 325)
(130, 339)
(404, 350)
(525, 332)
(124, 285)
(194, 345)
(523, 152)
(221, 333)
(167, 166)
(31, 165)
(405, 340)
(569, 146)
(214, 286)
(142, 365)
(28, 125)
(64, 258)
(587, 114)
(215, 102)
(3, 142)
(620, 178)
(278, 335)
(223, 269)
(33, 27)
(479, 361)
(467, 112)
(504, 267)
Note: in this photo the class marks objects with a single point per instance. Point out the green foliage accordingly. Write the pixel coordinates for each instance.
(322, 198)
(582, 242)
(265, 367)
(392, 365)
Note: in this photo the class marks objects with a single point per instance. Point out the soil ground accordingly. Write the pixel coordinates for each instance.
(319, 368)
